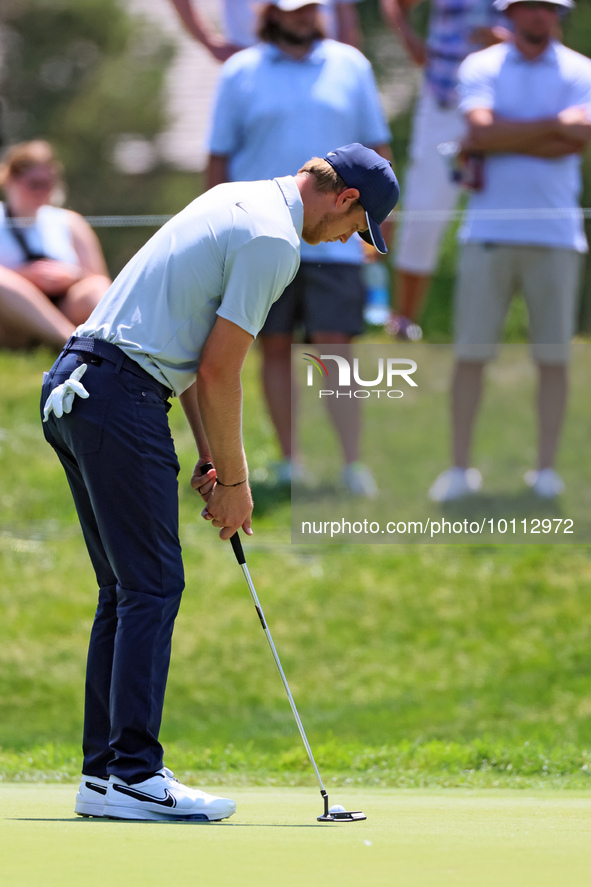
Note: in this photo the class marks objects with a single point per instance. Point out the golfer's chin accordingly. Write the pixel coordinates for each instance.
(311, 239)
(314, 239)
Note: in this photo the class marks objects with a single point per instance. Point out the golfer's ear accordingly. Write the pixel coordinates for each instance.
(347, 197)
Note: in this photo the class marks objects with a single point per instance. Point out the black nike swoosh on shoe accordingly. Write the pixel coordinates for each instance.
(168, 801)
(96, 788)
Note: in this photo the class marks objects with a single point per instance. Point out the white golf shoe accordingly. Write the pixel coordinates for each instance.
(162, 797)
(455, 483)
(547, 483)
(90, 800)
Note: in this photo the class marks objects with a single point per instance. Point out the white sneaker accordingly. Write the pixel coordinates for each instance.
(547, 483)
(162, 797)
(290, 471)
(90, 800)
(359, 480)
(455, 483)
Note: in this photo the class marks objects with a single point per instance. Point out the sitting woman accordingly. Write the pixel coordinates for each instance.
(52, 269)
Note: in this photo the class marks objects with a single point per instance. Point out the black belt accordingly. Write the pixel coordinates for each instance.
(113, 354)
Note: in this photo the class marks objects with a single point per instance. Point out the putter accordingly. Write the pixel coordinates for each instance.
(327, 816)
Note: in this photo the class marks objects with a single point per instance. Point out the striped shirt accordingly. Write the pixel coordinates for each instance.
(451, 25)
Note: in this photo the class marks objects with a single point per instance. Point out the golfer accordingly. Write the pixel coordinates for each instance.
(178, 321)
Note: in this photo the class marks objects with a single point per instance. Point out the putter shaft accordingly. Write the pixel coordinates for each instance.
(238, 551)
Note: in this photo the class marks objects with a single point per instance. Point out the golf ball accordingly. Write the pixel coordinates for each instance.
(337, 808)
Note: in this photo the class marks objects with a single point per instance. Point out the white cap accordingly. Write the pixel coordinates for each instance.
(502, 5)
(290, 5)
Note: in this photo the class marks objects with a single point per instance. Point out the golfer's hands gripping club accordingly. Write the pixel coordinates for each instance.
(228, 508)
(61, 398)
(204, 477)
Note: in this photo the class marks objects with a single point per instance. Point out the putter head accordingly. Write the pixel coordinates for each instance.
(342, 816)
(334, 814)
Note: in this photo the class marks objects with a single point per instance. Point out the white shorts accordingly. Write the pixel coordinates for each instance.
(490, 274)
(427, 183)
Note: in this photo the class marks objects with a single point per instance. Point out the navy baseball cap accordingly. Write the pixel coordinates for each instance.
(502, 5)
(363, 168)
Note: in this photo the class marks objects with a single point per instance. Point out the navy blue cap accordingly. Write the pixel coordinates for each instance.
(502, 5)
(373, 176)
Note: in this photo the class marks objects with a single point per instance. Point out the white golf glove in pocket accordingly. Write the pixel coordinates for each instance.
(61, 398)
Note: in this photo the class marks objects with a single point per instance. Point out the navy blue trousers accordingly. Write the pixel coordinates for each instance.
(119, 458)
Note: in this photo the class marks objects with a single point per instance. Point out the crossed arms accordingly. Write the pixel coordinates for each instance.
(567, 133)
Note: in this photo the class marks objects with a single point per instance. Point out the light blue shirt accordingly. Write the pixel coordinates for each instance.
(273, 113)
(502, 79)
(230, 254)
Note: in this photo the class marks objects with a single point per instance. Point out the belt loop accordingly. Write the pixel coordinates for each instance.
(68, 346)
(120, 359)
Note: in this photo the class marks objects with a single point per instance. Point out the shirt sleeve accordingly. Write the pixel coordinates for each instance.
(580, 93)
(475, 84)
(225, 128)
(255, 275)
(374, 129)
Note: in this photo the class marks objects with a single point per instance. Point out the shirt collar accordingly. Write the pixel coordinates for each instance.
(316, 55)
(293, 199)
(548, 57)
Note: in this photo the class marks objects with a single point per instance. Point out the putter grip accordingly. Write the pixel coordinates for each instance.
(237, 546)
(235, 539)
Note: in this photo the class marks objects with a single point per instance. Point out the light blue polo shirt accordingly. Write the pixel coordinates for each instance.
(272, 113)
(230, 254)
(515, 88)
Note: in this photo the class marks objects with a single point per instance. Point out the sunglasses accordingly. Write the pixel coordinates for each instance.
(37, 184)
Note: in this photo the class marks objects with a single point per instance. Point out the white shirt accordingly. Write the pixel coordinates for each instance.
(230, 253)
(515, 88)
(49, 235)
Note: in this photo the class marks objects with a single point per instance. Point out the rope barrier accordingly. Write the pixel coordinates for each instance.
(415, 215)
(396, 215)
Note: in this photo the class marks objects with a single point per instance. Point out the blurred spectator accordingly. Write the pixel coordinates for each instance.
(52, 270)
(527, 107)
(293, 95)
(240, 24)
(456, 28)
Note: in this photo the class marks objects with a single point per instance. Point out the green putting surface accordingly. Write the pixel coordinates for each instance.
(411, 838)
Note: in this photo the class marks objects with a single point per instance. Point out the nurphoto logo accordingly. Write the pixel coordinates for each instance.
(389, 371)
